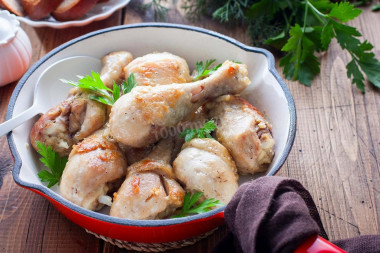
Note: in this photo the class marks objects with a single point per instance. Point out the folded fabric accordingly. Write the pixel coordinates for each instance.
(360, 244)
(273, 214)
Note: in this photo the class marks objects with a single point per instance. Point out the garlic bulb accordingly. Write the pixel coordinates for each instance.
(15, 49)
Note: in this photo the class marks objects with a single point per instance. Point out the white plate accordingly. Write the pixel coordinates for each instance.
(98, 12)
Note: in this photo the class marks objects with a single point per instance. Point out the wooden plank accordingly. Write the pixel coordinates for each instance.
(134, 14)
(31, 223)
(335, 154)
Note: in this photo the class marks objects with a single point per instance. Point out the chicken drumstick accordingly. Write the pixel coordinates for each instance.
(149, 191)
(137, 118)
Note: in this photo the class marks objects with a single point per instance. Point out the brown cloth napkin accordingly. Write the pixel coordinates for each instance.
(360, 244)
(276, 214)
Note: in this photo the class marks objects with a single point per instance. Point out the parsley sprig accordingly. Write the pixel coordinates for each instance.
(203, 132)
(205, 70)
(301, 63)
(53, 161)
(301, 29)
(103, 94)
(189, 206)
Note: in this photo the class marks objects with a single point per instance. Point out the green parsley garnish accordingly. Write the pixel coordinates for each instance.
(53, 161)
(301, 29)
(203, 132)
(203, 70)
(189, 206)
(301, 63)
(103, 94)
(128, 85)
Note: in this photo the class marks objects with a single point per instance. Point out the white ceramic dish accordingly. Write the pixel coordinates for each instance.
(267, 92)
(99, 12)
(15, 49)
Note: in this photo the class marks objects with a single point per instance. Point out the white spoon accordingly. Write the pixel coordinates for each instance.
(50, 91)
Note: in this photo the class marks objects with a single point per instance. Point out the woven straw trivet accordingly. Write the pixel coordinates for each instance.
(153, 247)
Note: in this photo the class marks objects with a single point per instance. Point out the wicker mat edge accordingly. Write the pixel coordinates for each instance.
(153, 247)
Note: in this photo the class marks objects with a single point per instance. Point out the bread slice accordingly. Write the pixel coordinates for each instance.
(72, 9)
(37, 9)
(13, 6)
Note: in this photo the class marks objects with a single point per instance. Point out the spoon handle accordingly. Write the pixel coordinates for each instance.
(11, 124)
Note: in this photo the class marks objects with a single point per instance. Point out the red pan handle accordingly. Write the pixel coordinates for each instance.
(317, 244)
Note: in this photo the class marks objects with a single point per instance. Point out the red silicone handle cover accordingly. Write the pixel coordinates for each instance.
(317, 244)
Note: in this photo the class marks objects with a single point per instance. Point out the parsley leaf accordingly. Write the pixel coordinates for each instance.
(327, 35)
(371, 68)
(93, 83)
(203, 70)
(189, 207)
(344, 12)
(103, 94)
(128, 85)
(204, 132)
(115, 92)
(53, 161)
(357, 76)
(300, 63)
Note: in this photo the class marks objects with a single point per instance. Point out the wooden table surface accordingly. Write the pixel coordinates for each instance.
(335, 153)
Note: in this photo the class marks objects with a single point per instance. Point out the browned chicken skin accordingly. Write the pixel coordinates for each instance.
(78, 116)
(113, 67)
(68, 123)
(158, 69)
(149, 191)
(243, 130)
(137, 118)
(153, 70)
(204, 165)
(94, 167)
